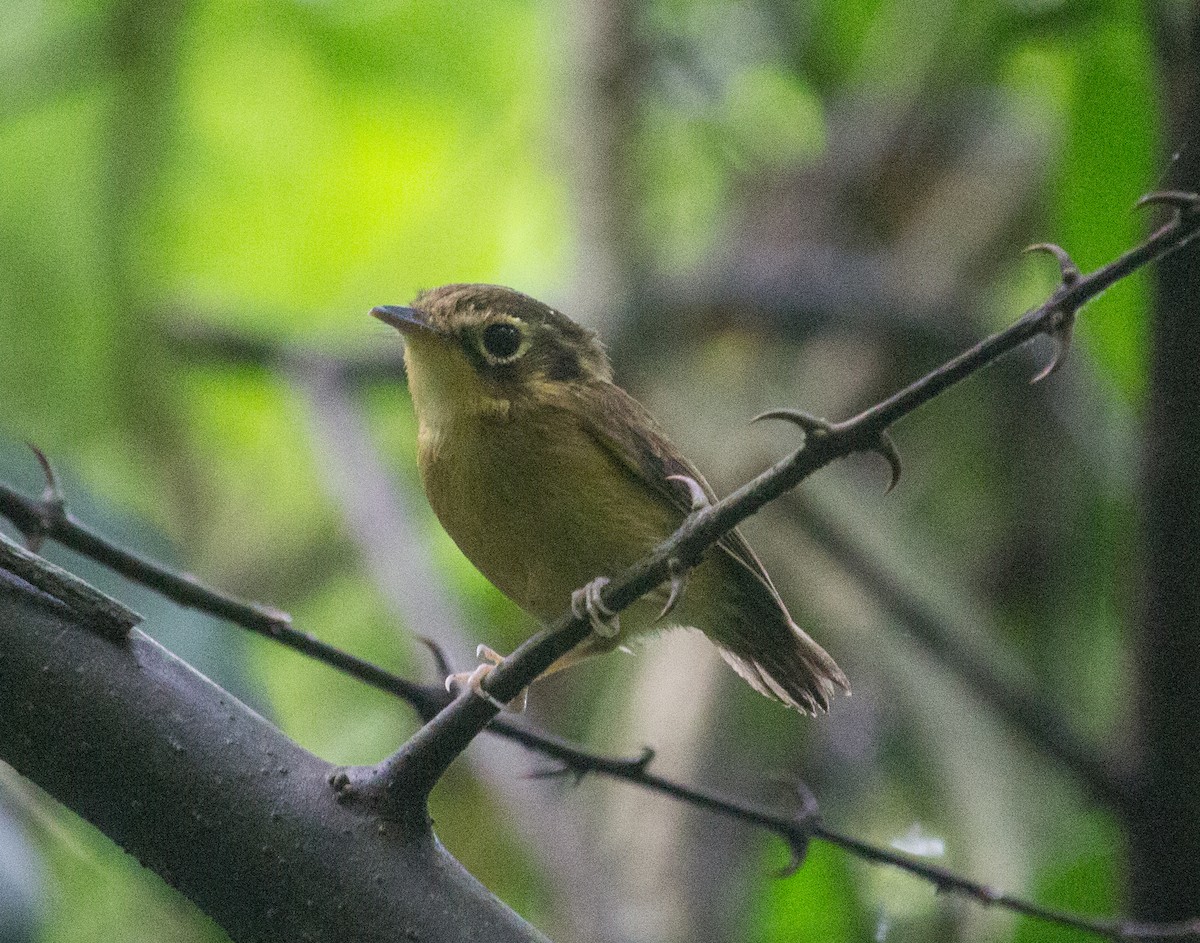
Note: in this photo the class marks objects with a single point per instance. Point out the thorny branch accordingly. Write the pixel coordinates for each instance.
(453, 723)
(419, 763)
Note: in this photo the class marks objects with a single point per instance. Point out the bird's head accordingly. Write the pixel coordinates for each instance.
(485, 350)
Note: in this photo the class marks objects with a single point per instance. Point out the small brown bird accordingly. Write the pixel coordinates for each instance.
(548, 475)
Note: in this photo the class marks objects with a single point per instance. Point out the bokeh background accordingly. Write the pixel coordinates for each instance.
(759, 203)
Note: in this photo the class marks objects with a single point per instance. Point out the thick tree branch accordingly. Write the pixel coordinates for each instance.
(210, 796)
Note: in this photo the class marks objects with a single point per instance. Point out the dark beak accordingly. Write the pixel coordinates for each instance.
(404, 320)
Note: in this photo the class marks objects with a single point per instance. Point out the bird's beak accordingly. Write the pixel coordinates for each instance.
(405, 320)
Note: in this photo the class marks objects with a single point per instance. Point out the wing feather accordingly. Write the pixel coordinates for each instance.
(624, 428)
(773, 654)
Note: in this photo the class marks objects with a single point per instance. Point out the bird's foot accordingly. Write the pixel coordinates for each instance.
(473, 681)
(587, 604)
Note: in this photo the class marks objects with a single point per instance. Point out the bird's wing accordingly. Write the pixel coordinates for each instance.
(771, 652)
(623, 428)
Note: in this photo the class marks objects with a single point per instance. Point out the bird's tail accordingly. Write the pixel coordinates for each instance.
(793, 669)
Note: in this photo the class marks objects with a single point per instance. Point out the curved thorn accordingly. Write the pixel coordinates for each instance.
(887, 448)
(1179, 200)
(440, 662)
(53, 493)
(811, 424)
(799, 850)
(643, 761)
(52, 507)
(1061, 335)
(696, 492)
(1068, 270)
(678, 584)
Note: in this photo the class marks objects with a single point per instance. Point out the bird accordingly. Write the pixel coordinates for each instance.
(550, 477)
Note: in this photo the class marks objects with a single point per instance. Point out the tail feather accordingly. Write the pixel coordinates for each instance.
(801, 675)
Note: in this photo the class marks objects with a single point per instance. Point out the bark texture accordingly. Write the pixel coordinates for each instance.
(211, 797)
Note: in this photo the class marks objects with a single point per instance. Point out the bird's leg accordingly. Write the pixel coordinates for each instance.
(473, 680)
(587, 604)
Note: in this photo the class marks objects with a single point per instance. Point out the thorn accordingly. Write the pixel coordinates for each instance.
(887, 448)
(814, 425)
(800, 834)
(53, 491)
(1179, 200)
(440, 662)
(640, 765)
(1062, 320)
(678, 584)
(799, 849)
(53, 503)
(699, 496)
(810, 424)
(559, 772)
(1068, 270)
(1061, 331)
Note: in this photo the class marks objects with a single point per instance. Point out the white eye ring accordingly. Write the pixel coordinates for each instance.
(502, 342)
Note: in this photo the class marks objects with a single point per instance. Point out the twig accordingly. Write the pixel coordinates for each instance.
(419, 763)
(1016, 702)
(97, 609)
(40, 519)
(807, 826)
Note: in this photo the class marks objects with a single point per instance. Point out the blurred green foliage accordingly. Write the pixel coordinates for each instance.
(278, 168)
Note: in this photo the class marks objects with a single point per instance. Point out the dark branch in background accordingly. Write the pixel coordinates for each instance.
(1016, 702)
(203, 342)
(1165, 846)
(417, 766)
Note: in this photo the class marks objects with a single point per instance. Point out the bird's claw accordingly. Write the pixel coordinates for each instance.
(587, 604)
(699, 497)
(1061, 327)
(473, 681)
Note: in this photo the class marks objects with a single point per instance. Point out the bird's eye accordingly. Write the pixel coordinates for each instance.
(501, 340)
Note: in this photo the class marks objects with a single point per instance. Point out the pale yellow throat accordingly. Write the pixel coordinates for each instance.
(445, 389)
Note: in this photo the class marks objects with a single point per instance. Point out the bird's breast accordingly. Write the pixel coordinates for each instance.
(537, 505)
